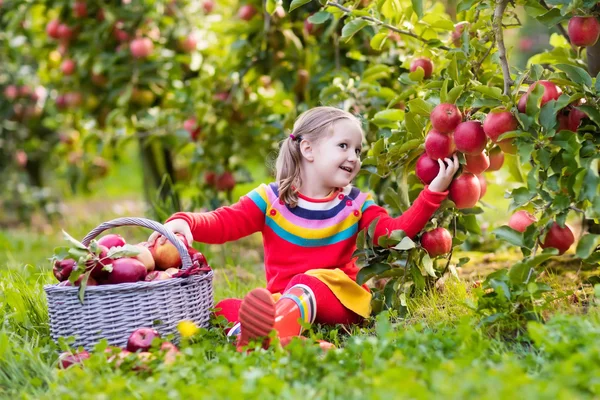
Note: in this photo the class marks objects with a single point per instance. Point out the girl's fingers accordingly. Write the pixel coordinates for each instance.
(442, 166)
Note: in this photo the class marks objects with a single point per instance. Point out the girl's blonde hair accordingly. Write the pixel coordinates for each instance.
(311, 125)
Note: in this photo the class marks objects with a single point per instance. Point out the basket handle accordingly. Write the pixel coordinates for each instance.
(134, 221)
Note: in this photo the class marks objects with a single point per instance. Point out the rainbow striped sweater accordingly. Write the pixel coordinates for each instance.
(316, 234)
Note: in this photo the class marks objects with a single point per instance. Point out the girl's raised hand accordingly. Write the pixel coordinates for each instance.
(448, 168)
(176, 226)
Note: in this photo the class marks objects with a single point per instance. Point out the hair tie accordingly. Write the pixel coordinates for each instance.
(294, 137)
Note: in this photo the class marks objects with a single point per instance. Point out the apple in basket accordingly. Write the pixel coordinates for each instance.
(172, 271)
(141, 339)
(112, 240)
(126, 270)
(145, 256)
(166, 255)
(63, 268)
(158, 276)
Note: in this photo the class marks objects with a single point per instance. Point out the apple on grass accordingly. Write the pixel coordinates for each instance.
(437, 242)
(66, 359)
(141, 339)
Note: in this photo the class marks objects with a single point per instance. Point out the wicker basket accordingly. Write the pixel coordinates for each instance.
(112, 312)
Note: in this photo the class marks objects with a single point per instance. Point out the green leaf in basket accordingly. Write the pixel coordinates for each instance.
(83, 285)
(74, 241)
(127, 250)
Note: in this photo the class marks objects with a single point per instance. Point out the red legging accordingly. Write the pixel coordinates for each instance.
(330, 311)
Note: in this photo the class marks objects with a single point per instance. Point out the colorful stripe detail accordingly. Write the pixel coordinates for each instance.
(304, 298)
(308, 242)
(259, 197)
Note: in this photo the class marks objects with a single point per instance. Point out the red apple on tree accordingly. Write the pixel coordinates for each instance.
(477, 163)
(439, 145)
(189, 43)
(584, 31)
(445, 117)
(208, 6)
(469, 137)
(308, 27)
(191, 125)
(457, 33)
(141, 339)
(225, 181)
(424, 63)
(551, 92)
(246, 12)
(496, 159)
(426, 169)
(465, 191)
(141, 47)
(11, 92)
(68, 67)
(437, 242)
(559, 238)
(80, 9)
(52, 29)
(520, 220)
(482, 185)
(65, 32)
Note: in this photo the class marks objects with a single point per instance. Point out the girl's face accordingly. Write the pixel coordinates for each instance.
(337, 156)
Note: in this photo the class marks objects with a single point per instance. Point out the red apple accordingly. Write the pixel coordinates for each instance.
(469, 137)
(145, 257)
(62, 269)
(157, 276)
(424, 63)
(439, 145)
(574, 119)
(66, 359)
(166, 255)
(210, 178)
(496, 159)
(526, 44)
(437, 242)
(112, 240)
(191, 125)
(498, 122)
(308, 26)
(551, 92)
(21, 158)
(52, 29)
(457, 33)
(141, 47)
(482, 185)
(80, 9)
(520, 220)
(141, 339)
(97, 271)
(125, 270)
(477, 163)
(208, 6)
(11, 92)
(584, 31)
(119, 33)
(559, 238)
(68, 67)
(445, 117)
(189, 43)
(426, 169)
(246, 12)
(198, 258)
(172, 271)
(90, 282)
(464, 191)
(225, 181)
(65, 32)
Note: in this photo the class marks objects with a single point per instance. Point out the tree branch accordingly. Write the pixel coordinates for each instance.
(559, 26)
(499, 34)
(381, 23)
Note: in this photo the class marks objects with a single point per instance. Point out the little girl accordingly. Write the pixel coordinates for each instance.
(309, 218)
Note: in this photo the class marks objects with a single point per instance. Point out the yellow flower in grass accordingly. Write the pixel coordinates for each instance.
(187, 328)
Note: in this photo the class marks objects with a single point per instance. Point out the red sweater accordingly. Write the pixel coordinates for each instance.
(316, 234)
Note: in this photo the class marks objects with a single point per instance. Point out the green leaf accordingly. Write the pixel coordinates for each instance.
(510, 235)
(598, 83)
(418, 7)
(370, 271)
(428, 265)
(552, 17)
(587, 245)
(378, 40)
(591, 112)
(298, 3)
(576, 74)
(127, 250)
(271, 6)
(420, 106)
(405, 244)
(465, 5)
(455, 93)
(73, 241)
(351, 28)
(388, 118)
(490, 91)
(319, 18)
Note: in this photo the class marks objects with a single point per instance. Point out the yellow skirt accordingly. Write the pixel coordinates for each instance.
(353, 296)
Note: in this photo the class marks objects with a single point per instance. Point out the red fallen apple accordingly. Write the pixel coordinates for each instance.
(111, 240)
(171, 352)
(157, 276)
(426, 169)
(496, 159)
(498, 122)
(464, 191)
(246, 12)
(469, 137)
(225, 181)
(66, 359)
(437, 242)
(584, 31)
(477, 163)
(439, 145)
(520, 220)
(424, 63)
(62, 269)
(68, 67)
(191, 125)
(445, 117)
(551, 92)
(80, 9)
(166, 255)
(559, 238)
(145, 256)
(208, 6)
(141, 47)
(52, 29)
(482, 185)
(141, 339)
(126, 270)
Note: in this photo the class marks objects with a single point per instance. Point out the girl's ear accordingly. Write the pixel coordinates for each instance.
(306, 149)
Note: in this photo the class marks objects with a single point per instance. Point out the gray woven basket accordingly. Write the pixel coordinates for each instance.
(112, 312)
